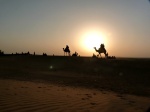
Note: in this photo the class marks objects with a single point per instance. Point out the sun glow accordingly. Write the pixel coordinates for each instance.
(92, 39)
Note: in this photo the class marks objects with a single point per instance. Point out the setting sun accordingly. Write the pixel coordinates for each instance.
(92, 39)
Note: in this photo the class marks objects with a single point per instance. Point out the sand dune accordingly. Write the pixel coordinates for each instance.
(23, 96)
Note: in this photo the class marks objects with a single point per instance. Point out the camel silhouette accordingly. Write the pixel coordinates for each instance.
(75, 54)
(101, 50)
(66, 50)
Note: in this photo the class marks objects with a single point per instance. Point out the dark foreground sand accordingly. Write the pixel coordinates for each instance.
(24, 96)
(73, 84)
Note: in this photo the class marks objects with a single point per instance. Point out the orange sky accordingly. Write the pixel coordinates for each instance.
(48, 26)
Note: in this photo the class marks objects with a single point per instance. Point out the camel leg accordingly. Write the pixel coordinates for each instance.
(100, 55)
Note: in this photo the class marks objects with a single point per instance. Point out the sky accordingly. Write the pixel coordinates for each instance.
(49, 25)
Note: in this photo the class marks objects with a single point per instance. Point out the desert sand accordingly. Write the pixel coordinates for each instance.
(23, 96)
(73, 84)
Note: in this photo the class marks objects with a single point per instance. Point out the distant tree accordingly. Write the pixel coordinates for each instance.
(44, 54)
(94, 56)
(1, 52)
(28, 53)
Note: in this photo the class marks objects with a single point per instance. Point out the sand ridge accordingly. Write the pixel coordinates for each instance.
(22, 96)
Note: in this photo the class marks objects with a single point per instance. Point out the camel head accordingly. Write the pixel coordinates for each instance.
(95, 48)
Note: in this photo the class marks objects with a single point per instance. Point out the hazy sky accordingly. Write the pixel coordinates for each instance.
(49, 25)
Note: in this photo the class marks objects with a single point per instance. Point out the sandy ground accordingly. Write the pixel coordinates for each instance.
(23, 96)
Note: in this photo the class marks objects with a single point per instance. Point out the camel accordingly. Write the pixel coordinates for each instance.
(75, 54)
(66, 50)
(101, 50)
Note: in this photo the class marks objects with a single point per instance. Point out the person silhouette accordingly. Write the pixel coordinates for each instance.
(67, 47)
